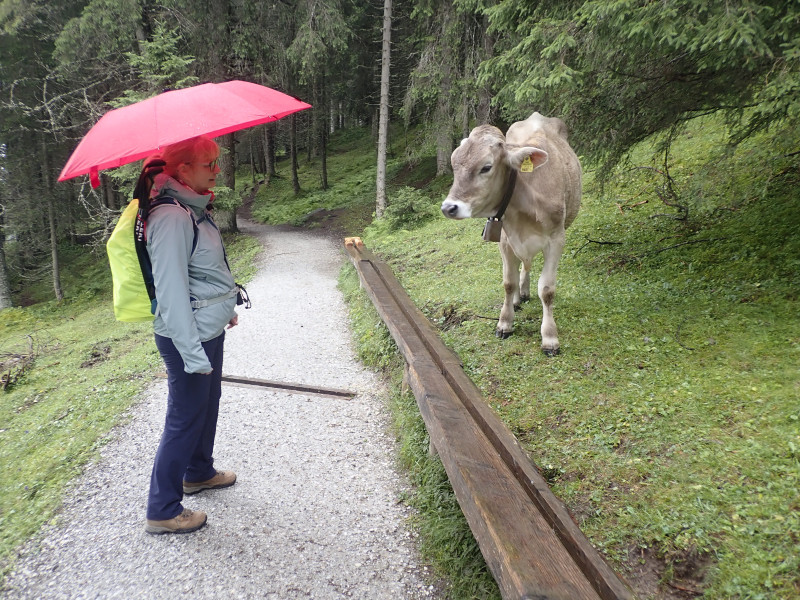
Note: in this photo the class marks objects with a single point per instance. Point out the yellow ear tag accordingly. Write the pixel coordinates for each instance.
(527, 165)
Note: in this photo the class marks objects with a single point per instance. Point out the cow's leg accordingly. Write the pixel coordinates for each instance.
(547, 293)
(525, 282)
(511, 285)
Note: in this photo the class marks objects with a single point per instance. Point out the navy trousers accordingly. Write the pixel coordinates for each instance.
(187, 444)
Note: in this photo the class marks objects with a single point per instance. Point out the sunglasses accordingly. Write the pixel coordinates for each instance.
(212, 165)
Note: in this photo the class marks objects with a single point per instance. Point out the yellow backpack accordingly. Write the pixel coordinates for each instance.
(131, 271)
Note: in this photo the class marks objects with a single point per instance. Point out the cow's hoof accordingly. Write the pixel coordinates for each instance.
(551, 351)
(517, 307)
(503, 335)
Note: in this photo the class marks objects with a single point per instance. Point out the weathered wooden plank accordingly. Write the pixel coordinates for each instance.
(605, 580)
(400, 329)
(519, 545)
(521, 548)
(527, 536)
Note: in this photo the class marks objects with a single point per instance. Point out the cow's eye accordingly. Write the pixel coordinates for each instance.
(486, 169)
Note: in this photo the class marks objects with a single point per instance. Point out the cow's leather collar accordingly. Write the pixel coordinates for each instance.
(510, 183)
(493, 230)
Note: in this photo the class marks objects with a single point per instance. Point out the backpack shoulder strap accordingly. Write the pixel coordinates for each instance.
(161, 200)
(140, 241)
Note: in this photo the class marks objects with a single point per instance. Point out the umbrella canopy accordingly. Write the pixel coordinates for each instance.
(133, 132)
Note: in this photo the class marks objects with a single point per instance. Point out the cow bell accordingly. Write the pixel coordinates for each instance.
(492, 230)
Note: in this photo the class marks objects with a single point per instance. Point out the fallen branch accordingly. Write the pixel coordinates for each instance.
(666, 192)
(14, 367)
(635, 204)
(16, 362)
(601, 243)
(681, 588)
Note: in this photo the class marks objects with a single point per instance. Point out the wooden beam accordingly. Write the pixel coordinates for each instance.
(528, 538)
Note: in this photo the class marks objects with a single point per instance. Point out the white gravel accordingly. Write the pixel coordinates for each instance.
(316, 512)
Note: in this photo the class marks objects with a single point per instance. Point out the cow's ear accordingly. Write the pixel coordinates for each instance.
(527, 158)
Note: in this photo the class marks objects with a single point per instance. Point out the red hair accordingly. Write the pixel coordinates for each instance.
(179, 153)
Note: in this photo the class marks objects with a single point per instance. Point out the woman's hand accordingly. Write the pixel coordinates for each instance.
(233, 322)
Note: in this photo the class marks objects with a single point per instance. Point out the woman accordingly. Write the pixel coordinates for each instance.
(195, 300)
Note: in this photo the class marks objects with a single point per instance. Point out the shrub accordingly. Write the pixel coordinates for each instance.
(409, 208)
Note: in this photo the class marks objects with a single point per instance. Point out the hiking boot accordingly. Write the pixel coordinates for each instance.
(222, 479)
(186, 522)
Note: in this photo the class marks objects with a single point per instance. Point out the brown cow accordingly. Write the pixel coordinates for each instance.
(544, 201)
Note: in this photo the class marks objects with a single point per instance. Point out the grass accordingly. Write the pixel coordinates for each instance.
(85, 371)
(669, 424)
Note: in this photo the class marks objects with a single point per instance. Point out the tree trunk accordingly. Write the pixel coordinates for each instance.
(109, 196)
(51, 221)
(324, 155)
(227, 165)
(469, 68)
(444, 138)
(443, 113)
(383, 120)
(323, 137)
(104, 193)
(51, 217)
(252, 160)
(484, 114)
(293, 152)
(311, 132)
(5, 288)
(269, 150)
(70, 219)
(259, 148)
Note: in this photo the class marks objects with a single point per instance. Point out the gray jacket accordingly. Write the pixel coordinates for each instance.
(182, 276)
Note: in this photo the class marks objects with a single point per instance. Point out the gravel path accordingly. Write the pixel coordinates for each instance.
(315, 512)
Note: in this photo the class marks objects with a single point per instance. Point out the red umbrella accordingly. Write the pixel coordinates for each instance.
(133, 132)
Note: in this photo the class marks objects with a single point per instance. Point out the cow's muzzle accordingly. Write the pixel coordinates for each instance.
(452, 210)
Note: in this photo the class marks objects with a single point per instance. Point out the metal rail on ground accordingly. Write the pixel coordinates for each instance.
(530, 542)
(283, 386)
(299, 388)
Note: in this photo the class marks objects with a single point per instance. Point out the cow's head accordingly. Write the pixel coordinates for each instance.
(481, 165)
